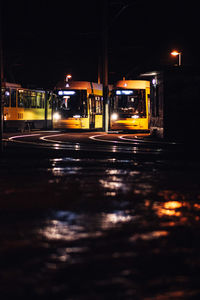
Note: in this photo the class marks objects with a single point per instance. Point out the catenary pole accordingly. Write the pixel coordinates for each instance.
(105, 64)
(1, 81)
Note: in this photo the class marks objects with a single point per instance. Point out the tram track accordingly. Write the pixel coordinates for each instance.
(93, 143)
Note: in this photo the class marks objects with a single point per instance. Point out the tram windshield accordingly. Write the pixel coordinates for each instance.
(72, 102)
(129, 102)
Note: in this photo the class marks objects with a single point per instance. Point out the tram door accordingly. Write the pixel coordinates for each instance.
(92, 111)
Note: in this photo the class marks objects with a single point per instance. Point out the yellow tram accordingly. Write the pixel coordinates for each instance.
(130, 105)
(79, 105)
(25, 107)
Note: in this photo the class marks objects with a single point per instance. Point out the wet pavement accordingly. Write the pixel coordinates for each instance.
(93, 225)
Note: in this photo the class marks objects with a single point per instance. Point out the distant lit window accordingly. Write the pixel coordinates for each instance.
(20, 98)
(40, 100)
(98, 104)
(33, 99)
(27, 99)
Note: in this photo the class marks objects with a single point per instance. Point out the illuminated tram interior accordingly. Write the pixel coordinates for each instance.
(25, 107)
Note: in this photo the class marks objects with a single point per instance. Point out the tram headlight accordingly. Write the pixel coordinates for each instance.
(76, 116)
(114, 117)
(135, 116)
(56, 116)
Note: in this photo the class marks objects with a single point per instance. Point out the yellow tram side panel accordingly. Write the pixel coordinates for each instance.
(98, 91)
(148, 105)
(98, 121)
(72, 123)
(34, 114)
(49, 114)
(13, 114)
(130, 124)
(31, 114)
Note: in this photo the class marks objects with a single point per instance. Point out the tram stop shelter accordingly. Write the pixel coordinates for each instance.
(175, 103)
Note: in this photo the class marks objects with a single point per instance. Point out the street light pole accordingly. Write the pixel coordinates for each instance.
(1, 81)
(179, 59)
(105, 39)
(105, 64)
(175, 53)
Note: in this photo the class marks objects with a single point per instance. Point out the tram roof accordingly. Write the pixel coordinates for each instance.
(11, 85)
(79, 85)
(132, 84)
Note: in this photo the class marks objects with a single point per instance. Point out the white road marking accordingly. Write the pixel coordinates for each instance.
(94, 137)
(22, 136)
(46, 139)
(146, 141)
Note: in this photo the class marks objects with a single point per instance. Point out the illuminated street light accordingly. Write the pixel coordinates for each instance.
(175, 53)
(68, 76)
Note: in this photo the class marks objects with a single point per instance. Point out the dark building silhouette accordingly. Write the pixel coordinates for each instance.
(175, 103)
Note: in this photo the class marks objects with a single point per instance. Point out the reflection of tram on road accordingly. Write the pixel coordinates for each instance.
(79, 106)
(25, 108)
(129, 105)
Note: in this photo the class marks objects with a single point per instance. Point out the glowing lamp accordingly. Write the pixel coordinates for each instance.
(68, 76)
(176, 53)
(56, 116)
(114, 117)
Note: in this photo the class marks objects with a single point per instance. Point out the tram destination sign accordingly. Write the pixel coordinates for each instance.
(124, 92)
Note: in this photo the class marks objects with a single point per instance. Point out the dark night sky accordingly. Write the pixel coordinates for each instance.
(42, 41)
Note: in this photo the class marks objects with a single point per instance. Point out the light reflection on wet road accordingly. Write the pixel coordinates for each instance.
(99, 228)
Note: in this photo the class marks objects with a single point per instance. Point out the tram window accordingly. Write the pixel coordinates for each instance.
(73, 103)
(131, 104)
(13, 98)
(20, 99)
(84, 103)
(52, 100)
(27, 99)
(40, 100)
(98, 105)
(33, 100)
(84, 109)
(141, 104)
(6, 97)
(92, 104)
